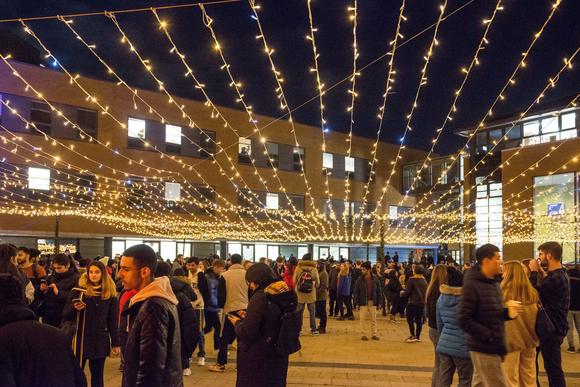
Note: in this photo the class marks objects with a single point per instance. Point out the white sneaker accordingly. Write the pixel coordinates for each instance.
(201, 361)
(187, 372)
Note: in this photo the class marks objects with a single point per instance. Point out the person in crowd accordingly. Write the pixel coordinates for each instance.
(188, 321)
(288, 276)
(451, 346)
(321, 296)
(332, 288)
(438, 278)
(481, 316)
(396, 257)
(33, 354)
(35, 274)
(124, 299)
(574, 312)
(393, 293)
(57, 288)
(91, 308)
(246, 264)
(378, 272)
(8, 265)
(212, 306)
(521, 338)
(178, 263)
(406, 274)
(233, 298)
(415, 291)
(388, 257)
(306, 279)
(343, 292)
(367, 293)
(355, 273)
(260, 363)
(280, 266)
(152, 355)
(555, 297)
(196, 275)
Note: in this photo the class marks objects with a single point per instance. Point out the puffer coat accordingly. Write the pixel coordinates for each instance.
(451, 337)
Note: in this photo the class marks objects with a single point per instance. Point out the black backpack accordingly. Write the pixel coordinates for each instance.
(305, 282)
(289, 321)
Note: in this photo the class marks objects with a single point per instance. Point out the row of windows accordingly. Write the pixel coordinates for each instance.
(537, 131)
(436, 172)
(282, 156)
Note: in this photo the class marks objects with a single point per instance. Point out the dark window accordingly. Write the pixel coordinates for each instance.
(135, 188)
(206, 198)
(481, 145)
(206, 144)
(41, 116)
(87, 120)
(274, 159)
(298, 154)
(83, 192)
(409, 173)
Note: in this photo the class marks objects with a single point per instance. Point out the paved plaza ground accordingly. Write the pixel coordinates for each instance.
(341, 358)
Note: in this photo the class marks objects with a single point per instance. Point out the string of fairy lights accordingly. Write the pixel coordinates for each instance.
(98, 189)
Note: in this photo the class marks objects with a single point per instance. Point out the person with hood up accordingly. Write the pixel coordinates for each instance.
(92, 309)
(451, 345)
(306, 280)
(259, 363)
(188, 321)
(152, 355)
(57, 288)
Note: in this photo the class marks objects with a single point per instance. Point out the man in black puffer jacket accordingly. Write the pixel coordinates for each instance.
(481, 315)
(152, 355)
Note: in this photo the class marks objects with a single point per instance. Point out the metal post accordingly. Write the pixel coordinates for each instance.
(56, 230)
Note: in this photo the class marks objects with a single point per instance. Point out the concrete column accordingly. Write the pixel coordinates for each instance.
(108, 249)
(223, 250)
(310, 250)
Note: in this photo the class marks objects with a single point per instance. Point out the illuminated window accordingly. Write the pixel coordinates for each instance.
(244, 150)
(136, 128)
(349, 164)
(569, 120)
(173, 134)
(272, 201)
(39, 178)
(327, 160)
(172, 191)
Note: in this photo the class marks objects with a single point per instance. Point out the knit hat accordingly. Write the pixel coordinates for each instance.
(104, 260)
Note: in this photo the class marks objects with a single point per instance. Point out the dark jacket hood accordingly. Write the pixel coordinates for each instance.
(14, 313)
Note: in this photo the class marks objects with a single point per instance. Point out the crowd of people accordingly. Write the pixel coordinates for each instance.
(488, 322)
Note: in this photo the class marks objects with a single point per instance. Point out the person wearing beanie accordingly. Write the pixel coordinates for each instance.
(152, 354)
(233, 294)
(415, 291)
(259, 363)
(33, 354)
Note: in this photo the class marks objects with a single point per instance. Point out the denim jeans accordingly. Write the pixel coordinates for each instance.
(573, 321)
(311, 312)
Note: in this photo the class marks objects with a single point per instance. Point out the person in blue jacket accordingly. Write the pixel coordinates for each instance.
(452, 347)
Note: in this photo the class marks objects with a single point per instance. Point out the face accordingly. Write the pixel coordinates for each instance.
(130, 275)
(364, 271)
(95, 275)
(59, 268)
(192, 267)
(493, 264)
(253, 285)
(218, 270)
(22, 257)
(543, 257)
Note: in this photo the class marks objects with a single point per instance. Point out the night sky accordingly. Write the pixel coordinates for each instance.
(286, 24)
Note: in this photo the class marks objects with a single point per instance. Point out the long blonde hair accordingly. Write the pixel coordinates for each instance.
(438, 278)
(108, 288)
(516, 285)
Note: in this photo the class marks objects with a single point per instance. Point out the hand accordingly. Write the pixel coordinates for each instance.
(115, 351)
(54, 289)
(534, 266)
(233, 319)
(43, 287)
(79, 305)
(242, 313)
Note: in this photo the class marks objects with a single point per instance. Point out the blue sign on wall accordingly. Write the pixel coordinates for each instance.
(555, 209)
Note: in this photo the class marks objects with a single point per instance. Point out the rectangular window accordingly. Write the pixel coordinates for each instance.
(172, 191)
(531, 128)
(244, 150)
(495, 135)
(39, 178)
(136, 128)
(569, 120)
(327, 162)
(298, 158)
(207, 144)
(87, 120)
(488, 214)
(348, 164)
(481, 145)
(550, 125)
(273, 154)
(41, 116)
(272, 201)
(173, 134)
(514, 133)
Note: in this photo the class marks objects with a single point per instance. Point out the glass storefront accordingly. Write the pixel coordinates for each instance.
(555, 212)
(488, 214)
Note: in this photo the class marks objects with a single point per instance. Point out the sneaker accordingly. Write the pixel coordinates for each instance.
(322, 330)
(416, 340)
(217, 368)
(187, 372)
(571, 349)
(410, 339)
(340, 318)
(351, 318)
(201, 361)
(364, 338)
(314, 333)
(376, 338)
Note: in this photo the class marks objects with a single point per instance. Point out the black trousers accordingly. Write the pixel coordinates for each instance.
(228, 336)
(415, 319)
(321, 312)
(97, 367)
(552, 355)
(332, 301)
(342, 302)
(212, 321)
